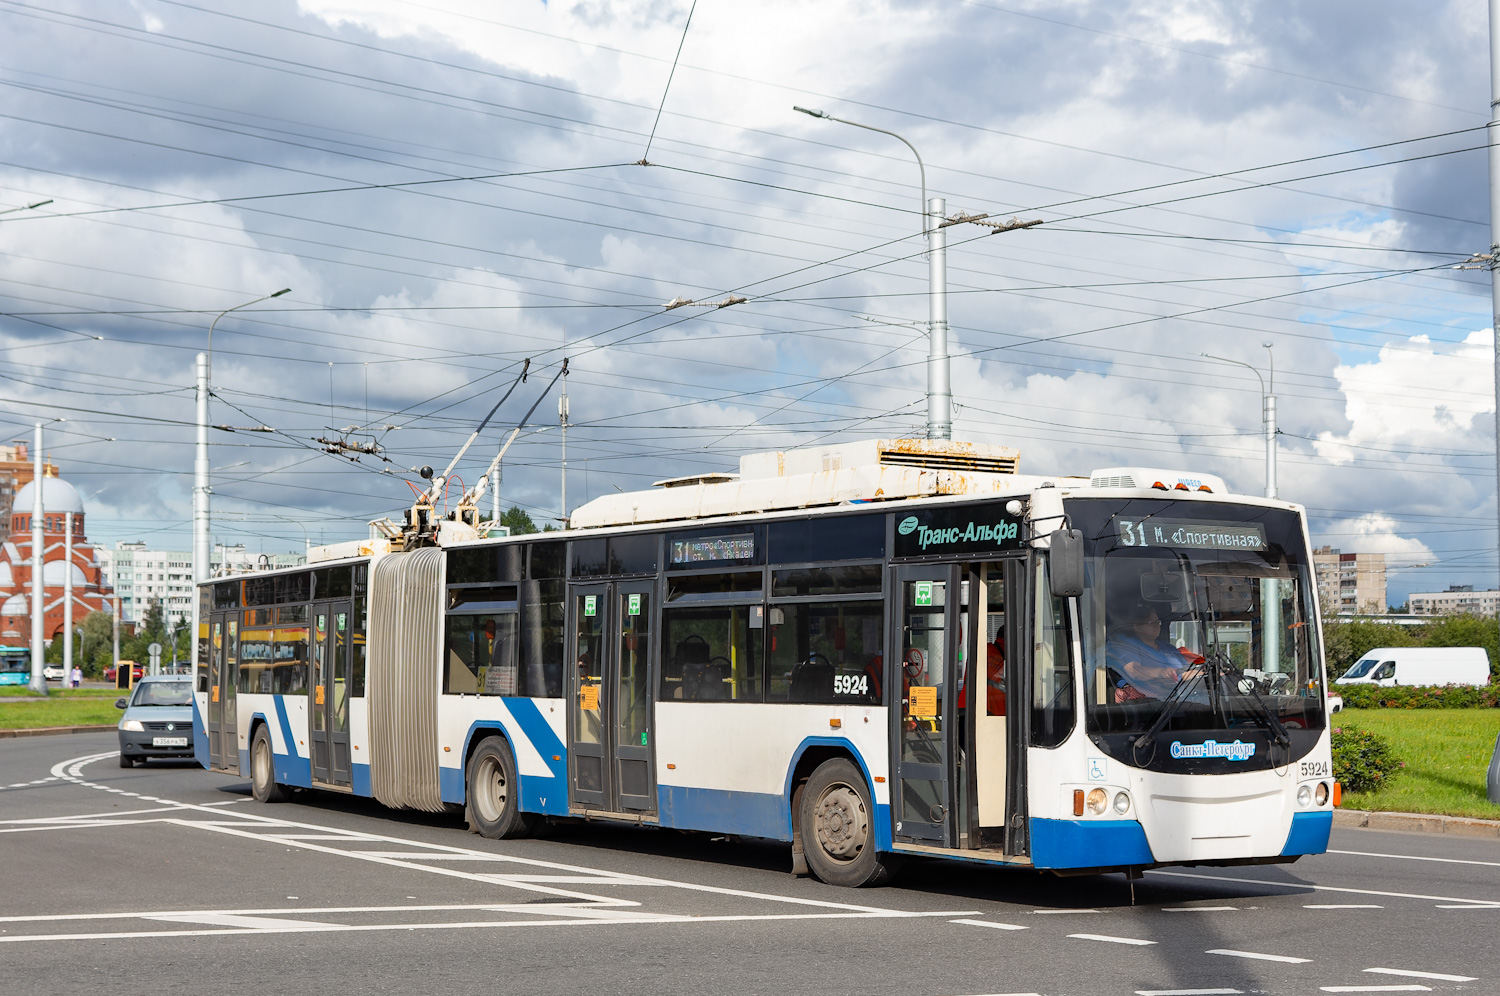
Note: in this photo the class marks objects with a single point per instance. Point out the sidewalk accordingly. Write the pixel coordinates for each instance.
(1463, 826)
(47, 731)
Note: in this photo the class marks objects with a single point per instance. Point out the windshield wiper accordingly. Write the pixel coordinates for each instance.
(1169, 708)
(1245, 685)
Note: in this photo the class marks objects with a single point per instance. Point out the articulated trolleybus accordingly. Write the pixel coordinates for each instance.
(870, 651)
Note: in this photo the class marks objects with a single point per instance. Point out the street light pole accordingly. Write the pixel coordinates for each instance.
(1267, 412)
(200, 462)
(939, 389)
(38, 555)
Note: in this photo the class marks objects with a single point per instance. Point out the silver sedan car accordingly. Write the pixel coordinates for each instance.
(158, 720)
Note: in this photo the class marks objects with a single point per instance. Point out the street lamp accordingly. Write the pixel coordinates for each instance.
(1268, 410)
(200, 463)
(939, 389)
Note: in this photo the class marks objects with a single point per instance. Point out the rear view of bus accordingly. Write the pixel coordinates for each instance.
(1203, 735)
(15, 666)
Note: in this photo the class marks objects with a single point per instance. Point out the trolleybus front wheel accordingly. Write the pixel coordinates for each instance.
(263, 769)
(836, 820)
(494, 793)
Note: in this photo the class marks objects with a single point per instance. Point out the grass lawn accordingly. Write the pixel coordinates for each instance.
(68, 709)
(1447, 754)
(22, 692)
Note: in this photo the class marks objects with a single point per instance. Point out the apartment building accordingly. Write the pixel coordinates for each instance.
(1459, 599)
(1350, 583)
(141, 576)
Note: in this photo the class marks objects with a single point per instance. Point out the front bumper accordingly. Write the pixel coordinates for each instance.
(144, 744)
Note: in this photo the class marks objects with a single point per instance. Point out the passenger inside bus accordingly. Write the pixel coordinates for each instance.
(1140, 662)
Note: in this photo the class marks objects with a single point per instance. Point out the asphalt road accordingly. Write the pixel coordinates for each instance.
(169, 878)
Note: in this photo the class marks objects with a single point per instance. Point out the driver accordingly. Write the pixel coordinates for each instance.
(1147, 666)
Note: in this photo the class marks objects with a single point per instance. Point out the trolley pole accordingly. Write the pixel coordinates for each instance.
(562, 420)
(1493, 134)
(38, 555)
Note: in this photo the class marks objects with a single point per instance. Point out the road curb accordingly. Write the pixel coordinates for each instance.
(1462, 826)
(47, 731)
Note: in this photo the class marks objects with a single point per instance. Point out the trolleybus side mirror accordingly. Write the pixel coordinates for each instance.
(1065, 563)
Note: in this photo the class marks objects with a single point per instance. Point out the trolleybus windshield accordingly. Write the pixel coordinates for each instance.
(15, 666)
(1199, 644)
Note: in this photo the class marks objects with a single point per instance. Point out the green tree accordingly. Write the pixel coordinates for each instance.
(98, 644)
(519, 521)
(1346, 642)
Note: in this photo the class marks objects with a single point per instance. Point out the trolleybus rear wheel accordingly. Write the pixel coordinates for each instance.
(494, 793)
(263, 769)
(838, 830)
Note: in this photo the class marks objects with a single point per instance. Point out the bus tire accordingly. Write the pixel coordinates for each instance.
(263, 769)
(493, 793)
(837, 822)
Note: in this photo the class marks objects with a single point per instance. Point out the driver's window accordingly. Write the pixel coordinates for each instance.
(1386, 670)
(825, 651)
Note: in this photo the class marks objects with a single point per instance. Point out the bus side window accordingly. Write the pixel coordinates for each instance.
(1052, 671)
(712, 653)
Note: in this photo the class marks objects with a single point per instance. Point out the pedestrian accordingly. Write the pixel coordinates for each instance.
(77, 676)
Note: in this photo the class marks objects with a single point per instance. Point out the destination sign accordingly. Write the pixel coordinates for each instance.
(714, 548)
(1185, 535)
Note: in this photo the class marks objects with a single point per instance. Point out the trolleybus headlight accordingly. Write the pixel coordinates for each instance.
(1098, 799)
(1122, 802)
(1322, 793)
(132, 726)
(1304, 795)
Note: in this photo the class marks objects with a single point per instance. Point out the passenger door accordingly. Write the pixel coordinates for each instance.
(925, 646)
(329, 709)
(610, 707)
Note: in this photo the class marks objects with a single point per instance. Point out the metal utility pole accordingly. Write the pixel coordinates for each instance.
(1494, 137)
(117, 634)
(67, 598)
(495, 497)
(1267, 410)
(939, 388)
(201, 566)
(562, 419)
(38, 582)
(1268, 415)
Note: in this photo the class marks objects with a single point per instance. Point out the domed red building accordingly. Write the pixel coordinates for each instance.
(60, 502)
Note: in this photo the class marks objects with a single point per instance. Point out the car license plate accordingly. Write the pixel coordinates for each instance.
(169, 741)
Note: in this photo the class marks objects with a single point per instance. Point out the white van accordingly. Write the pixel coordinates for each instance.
(1420, 666)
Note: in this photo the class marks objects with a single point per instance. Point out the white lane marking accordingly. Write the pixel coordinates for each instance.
(277, 911)
(303, 927)
(1198, 909)
(1467, 906)
(1344, 906)
(71, 770)
(1423, 975)
(1375, 989)
(1324, 888)
(1417, 857)
(1112, 940)
(991, 923)
(1187, 992)
(231, 920)
(1258, 956)
(1055, 912)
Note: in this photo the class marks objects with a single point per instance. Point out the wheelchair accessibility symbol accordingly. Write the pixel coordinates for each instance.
(1096, 769)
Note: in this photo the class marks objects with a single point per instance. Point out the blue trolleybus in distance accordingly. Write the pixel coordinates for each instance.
(15, 666)
(868, 651)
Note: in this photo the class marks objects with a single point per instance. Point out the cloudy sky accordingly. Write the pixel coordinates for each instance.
(450, 187)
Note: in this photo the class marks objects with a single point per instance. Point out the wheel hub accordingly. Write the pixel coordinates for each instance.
(842, 826)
